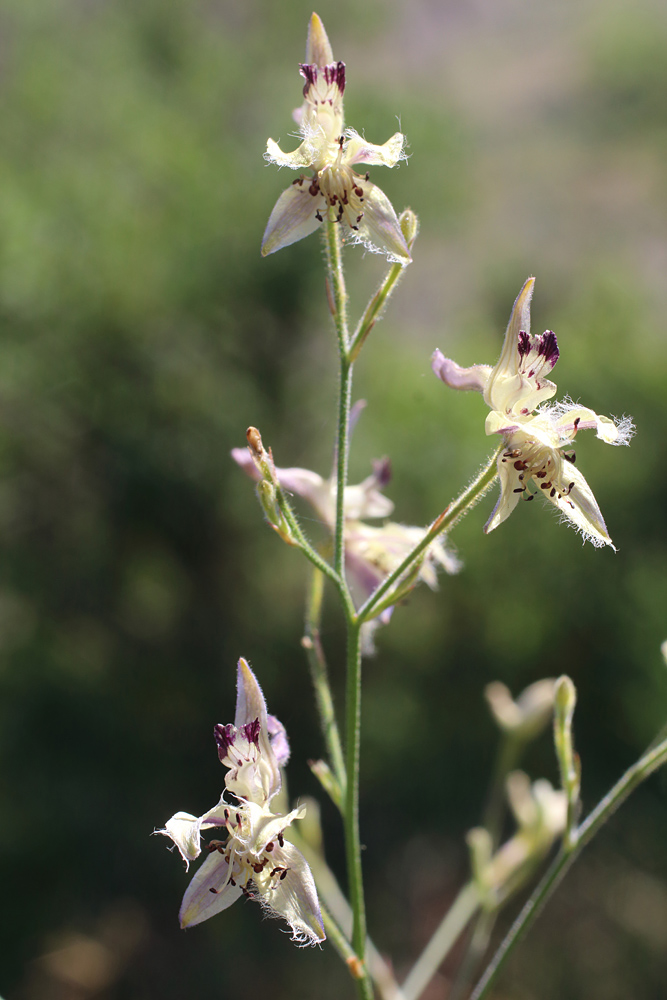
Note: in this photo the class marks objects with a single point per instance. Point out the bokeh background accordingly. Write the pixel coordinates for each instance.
(141, 333)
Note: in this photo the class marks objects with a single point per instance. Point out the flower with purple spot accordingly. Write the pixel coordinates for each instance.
(538, 456)
(332, 190)
(253, 858)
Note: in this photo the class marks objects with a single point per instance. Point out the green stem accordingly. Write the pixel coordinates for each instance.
(374, 308)
(453, 513)
(338, 304)
(320, 678)
(342, 452)
(635, 775)
(351, 818)
(445, 937)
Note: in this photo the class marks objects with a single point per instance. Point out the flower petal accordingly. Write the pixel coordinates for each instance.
(569, 418)
(580, 507)
(358, 150)
(183, 828)
(294, 897)
(292, 219)
(475, 377)
(209, 892)
(300, 159)
(379, 228)
(508, 499)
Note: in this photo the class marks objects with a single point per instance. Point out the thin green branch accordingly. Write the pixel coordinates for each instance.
(374, 309)
(634, 776)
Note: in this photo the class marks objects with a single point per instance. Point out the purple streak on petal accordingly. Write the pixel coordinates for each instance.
(523, 344)
(548, 346)
(251, 731)
(335, 73)
(309, 73)
(278, 739)
(224, 736)
(382, 472)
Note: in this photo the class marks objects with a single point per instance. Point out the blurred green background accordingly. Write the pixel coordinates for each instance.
(141, 333)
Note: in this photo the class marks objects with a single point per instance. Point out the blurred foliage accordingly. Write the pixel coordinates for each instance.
(141, 333)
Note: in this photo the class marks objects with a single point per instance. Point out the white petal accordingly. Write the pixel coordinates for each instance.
(264, 826)
(183, 828)
(209, 892)
(358, 150)
(581, 508)
(294, 897)
(292, 218)
(518, 394)
(581, 418)
(379, 228)
(215, 817)
(498, 422)
(508, 499)
(456, 377)
(300, 159)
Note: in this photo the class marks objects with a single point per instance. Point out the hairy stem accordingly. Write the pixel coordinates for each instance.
(352, 838)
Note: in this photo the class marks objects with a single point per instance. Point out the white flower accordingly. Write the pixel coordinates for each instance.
(537, 441)
(254, 859)
(334, 190)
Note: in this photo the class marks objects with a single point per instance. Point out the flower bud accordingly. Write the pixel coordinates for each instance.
(409, 223)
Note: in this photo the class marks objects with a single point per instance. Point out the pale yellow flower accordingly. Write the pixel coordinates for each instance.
(333, 189)
(538, 439)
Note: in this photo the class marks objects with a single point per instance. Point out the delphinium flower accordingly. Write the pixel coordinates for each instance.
(253, 859)
(333, 189)
(538, 439)
(372, 552)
